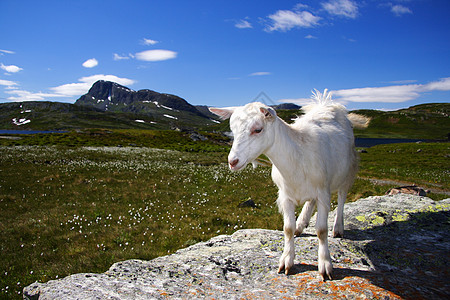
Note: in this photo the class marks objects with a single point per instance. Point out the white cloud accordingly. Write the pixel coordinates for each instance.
(149, 42)
(120, 57)
(72, 89)
(156, 55)
(85, 83)
(21, 95)
(284, 20)
(310, 37)
(10, 68)
(90, 63)
(386, 94)
(441, 85)
(342, 8)
(6, 51)
(7, 83)
(399, 10)
(403, 81)
(391, 94)
(62, 91)
(241, 24)
(259, 74)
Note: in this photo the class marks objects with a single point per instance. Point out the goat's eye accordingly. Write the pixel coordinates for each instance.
(257, 131)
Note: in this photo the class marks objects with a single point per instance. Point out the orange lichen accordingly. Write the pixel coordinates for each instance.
(338, 289)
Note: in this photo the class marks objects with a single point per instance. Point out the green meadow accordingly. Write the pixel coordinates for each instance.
(72, 205)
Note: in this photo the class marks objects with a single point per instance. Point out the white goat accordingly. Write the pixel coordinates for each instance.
(311, 158)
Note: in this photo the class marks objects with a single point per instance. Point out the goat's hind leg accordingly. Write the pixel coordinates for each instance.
(338, 228)
(305, 216)
(325, 265)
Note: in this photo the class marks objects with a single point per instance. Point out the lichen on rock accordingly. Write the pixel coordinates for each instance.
(394, 247)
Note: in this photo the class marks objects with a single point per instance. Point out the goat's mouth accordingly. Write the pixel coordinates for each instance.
(236, 166)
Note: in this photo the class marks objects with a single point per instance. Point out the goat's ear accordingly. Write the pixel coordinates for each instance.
(223, 113)
(268, 112)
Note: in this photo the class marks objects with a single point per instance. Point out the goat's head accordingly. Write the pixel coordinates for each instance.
(251, 128)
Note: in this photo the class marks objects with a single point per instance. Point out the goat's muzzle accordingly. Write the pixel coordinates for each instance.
(233, 163)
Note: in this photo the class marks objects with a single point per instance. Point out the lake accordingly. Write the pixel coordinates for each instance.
(359, 142)
(29, 131)
(369, 142)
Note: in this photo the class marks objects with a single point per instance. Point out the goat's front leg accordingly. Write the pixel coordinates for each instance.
(287, 258)
(325, 266)
(305, 216)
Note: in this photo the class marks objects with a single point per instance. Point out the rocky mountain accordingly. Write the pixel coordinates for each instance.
(287, 106)
(113, 97)
(107, 105)
(110, 105)
(395, 247)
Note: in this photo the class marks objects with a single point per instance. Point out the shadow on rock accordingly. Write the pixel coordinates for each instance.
(409, 252)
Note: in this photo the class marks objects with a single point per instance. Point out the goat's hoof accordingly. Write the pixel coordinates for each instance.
(286, 264)
(299, 229)
(326, 271)
(327, 275)
(284, 270)
(338, 234)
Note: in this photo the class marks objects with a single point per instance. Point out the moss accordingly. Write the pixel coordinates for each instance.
(361, 218)
(377, 220)
(398, 217)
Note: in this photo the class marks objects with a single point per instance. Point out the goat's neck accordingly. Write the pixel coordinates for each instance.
(285, 148)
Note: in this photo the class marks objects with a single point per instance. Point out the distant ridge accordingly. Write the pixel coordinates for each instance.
(106, 105)
(110, 105)
(111, 96)
(287, 106)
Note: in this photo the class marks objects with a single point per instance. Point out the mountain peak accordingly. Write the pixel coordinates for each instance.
(111, 96)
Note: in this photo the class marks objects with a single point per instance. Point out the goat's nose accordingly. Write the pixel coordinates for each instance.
(233, 162)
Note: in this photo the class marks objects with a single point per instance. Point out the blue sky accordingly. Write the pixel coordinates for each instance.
(371, 54)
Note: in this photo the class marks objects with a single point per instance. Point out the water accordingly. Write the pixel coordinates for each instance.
(369, 142)
(29, 131)
(359, 142)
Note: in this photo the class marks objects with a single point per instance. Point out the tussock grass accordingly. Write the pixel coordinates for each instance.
(65, 210)
(423, 164)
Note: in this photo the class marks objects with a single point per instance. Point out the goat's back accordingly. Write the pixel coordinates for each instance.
(328, 112)
(327, 145)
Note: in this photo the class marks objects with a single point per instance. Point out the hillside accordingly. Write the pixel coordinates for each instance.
(158, 107)
(425, 121)
(106, 105)
(112, 106)
(38, 115)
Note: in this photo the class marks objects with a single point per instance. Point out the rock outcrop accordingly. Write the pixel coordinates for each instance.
(111, 96)
(394, 247)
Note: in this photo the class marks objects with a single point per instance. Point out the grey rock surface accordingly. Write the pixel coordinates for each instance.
(395, 247)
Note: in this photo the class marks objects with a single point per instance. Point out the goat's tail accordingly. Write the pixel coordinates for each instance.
(322, 98)
(357, 120)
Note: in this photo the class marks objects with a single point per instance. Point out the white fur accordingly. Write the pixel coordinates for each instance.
(311, 158)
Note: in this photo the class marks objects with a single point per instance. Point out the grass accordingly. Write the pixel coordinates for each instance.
(162, 139)
(74, 209)
(46, 115)
(423, 164)
(425, 121)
